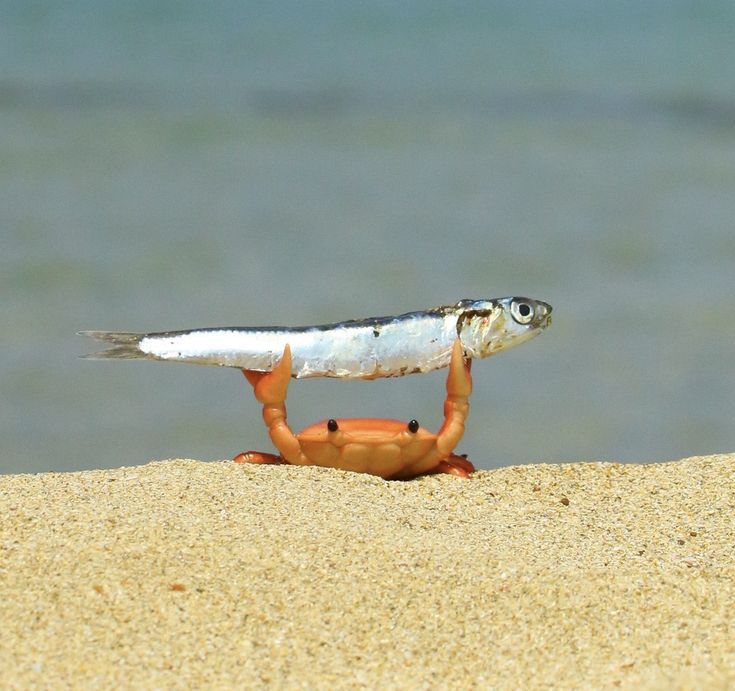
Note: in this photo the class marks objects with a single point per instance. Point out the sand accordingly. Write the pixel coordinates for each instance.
(190, 574)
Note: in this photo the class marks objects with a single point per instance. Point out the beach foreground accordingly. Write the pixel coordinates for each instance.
(191, 574)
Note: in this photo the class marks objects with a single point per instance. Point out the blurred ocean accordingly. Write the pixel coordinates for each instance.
(178, 164)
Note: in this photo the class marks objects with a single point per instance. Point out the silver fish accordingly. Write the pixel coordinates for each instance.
(356, 349)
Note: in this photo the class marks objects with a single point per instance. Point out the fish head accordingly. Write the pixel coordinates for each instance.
(486, 327)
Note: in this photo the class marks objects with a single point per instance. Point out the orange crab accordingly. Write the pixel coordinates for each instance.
(391, 449)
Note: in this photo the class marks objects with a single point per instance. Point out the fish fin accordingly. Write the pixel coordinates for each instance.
(125, 345)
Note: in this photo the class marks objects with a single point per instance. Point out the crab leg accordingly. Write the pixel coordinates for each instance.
(259, 458)
(455, 465)
(270, 389)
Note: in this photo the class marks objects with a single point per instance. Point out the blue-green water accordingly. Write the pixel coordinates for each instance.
(168, 165)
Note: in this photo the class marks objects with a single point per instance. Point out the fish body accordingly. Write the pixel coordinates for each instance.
(357, 349)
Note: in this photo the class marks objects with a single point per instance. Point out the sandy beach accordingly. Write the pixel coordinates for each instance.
(189, 574)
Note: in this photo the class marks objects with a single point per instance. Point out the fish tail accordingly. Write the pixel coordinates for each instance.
(125, 345)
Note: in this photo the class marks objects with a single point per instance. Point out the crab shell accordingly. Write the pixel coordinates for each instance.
(367, 445)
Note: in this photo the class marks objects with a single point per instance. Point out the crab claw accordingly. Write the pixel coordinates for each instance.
(459, 380)
(456, 404)
(253, 376)
(271, 387)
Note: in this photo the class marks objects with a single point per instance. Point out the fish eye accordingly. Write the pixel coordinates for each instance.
(522, 312)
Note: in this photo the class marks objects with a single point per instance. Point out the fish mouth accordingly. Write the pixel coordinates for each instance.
(543, 314)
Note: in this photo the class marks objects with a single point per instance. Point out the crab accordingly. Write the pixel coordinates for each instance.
(391, 449)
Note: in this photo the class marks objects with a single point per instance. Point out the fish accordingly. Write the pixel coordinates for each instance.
(393, 346)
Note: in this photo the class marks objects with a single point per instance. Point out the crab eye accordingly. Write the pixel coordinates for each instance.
(332, 425)
(521, 311)
(413, 426)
